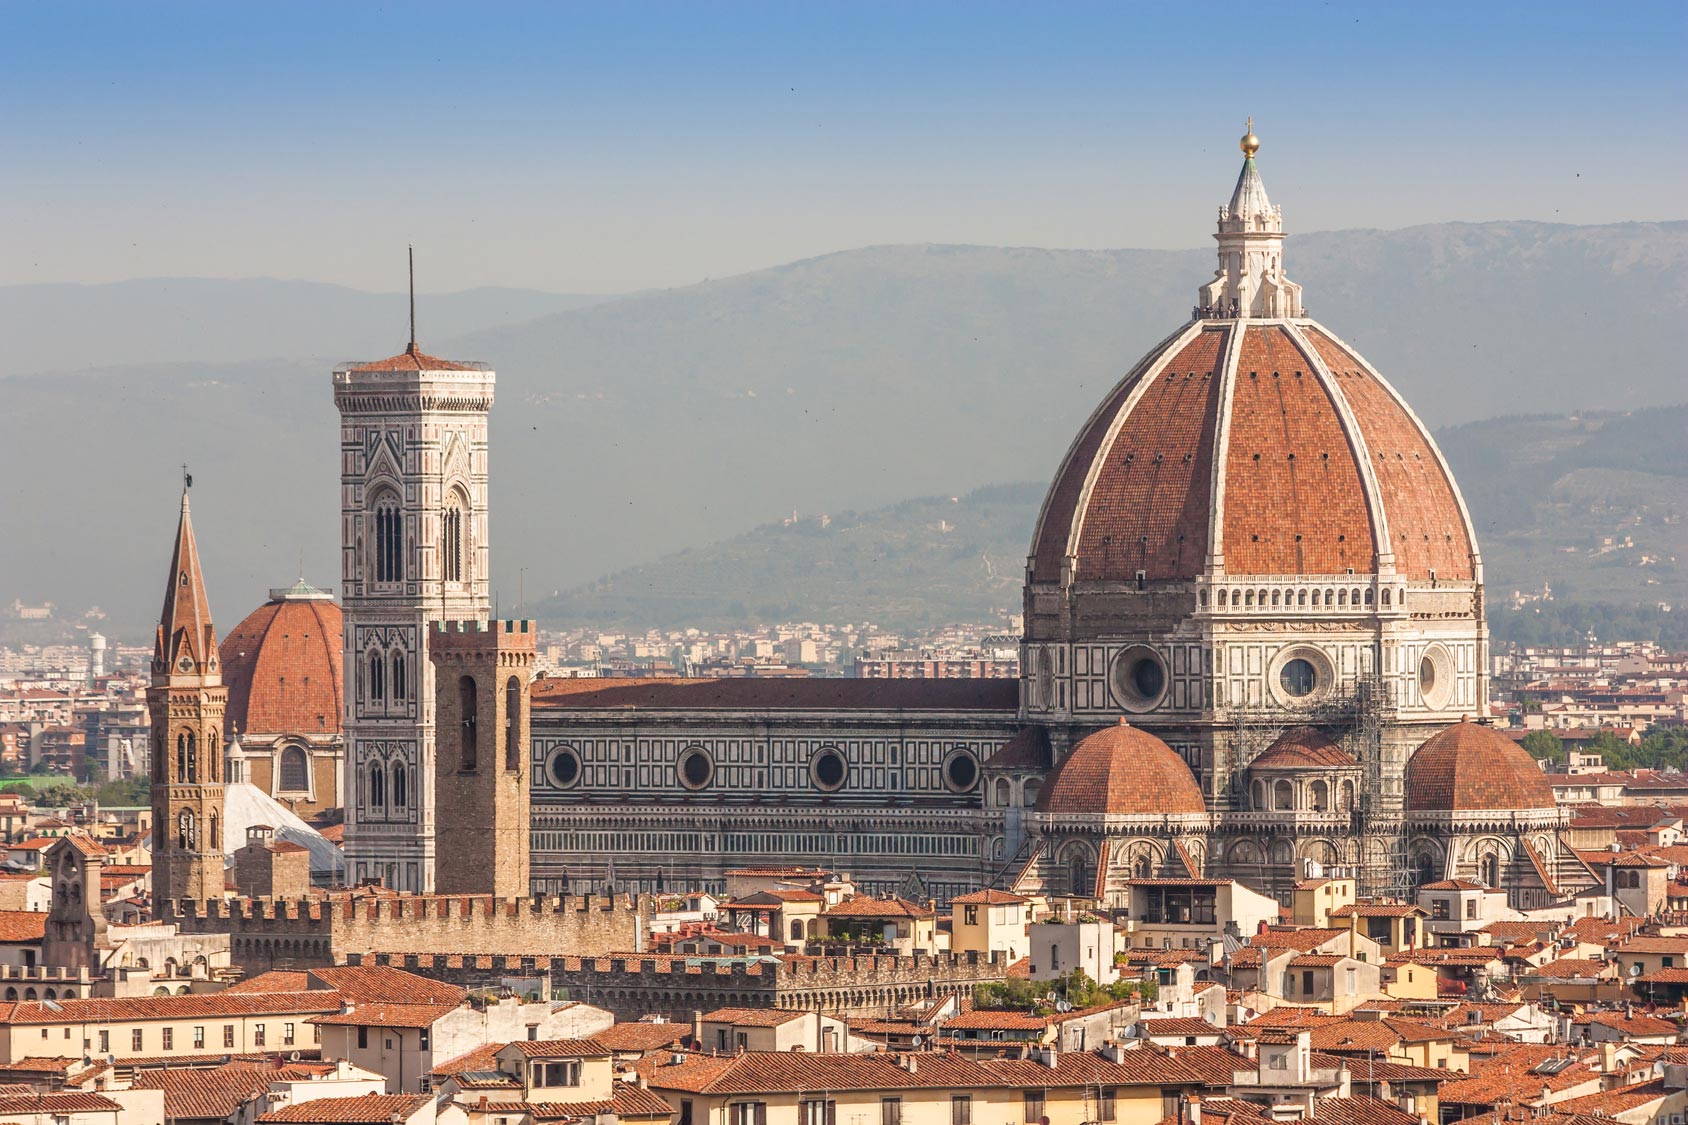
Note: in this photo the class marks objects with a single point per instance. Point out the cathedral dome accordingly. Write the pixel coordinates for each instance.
(1121, 771)
(1473, 768)
(1303, 748)
(281, 666)
(1252, 441)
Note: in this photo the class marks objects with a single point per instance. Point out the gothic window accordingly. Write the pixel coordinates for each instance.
(1489, 870)
(399, 676)
(377, 788)
(466, 705)
(215, 840)
(389, 539)
(183, 753)
(1283, 796)
(512, 723)
(400, 785)
(1321, 797)
(377, 678)
(186, 838)
(295, 770)
(1140, 868)
(213, 756)
(451, 540)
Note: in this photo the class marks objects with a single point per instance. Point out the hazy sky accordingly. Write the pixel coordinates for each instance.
(600, 147)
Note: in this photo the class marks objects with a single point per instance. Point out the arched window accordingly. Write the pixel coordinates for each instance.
(183, 753)
(1342, 597)
(399, 676)
(451, 540)
(1347, 796)
(1301, 598)
(186, 837)
(1140, 868)
(295, 770)
(377, 787)
(389, 539)
(1260, 795)
(215, 839)
(1321, 797)
(466, 706)
(1283, 796)
(1489, 870)
(1004, 793)
(1386, 597)
(1222, 599)
(1277, 597)
(1315, 597)
(401, 785)
(513, 723)
(377, 678)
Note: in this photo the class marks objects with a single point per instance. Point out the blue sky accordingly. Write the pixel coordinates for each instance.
(600, 148)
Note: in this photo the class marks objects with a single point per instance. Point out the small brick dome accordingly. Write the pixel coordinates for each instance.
(1473, 768)
(1121, 771)
(1303, 748)
(281, 666)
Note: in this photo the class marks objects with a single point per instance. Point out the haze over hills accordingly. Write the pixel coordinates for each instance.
(171, 319)
(1547, 494)
(646, 424)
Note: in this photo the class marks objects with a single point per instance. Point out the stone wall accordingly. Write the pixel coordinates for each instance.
(634, 986)
(302, 933)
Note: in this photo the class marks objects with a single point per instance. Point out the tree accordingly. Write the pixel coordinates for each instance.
(1544, 746)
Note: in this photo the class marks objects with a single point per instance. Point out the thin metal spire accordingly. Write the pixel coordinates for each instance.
(412, 250)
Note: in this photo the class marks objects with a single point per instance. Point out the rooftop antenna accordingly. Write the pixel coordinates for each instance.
(411, 249)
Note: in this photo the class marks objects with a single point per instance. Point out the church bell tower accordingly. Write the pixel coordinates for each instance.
(413, 551)
(186, 700)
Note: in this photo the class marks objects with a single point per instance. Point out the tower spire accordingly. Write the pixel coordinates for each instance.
(1250, 280)
(186, 644)
(412, 251)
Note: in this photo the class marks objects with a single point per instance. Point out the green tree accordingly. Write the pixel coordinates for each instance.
(1544, 746)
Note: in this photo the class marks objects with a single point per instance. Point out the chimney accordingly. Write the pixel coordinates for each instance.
(1195, 1109)
(1114, 1052)
(1049, 1057)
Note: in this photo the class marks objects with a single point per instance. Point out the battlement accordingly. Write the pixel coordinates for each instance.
(482, 636)
(825, 971)
(43, 974)
(400, 907)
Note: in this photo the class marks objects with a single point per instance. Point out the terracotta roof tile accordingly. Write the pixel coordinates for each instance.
(375, 1108)
(1303, 748)
(1121, 771)
(282, 667)
(751, 693)
(1468, 767)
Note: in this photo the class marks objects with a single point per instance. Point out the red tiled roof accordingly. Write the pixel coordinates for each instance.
(369, 983)
(1028, 749)
(988, 897)
(206, 1092)
(46, 1105)
(412, 359)
(642, 1036)
(1121, 771)
(864, 906)
(22, 926)
(387, 1015)
(1303, 748)
(752, 1017)
(1472, 768)
(282, 668)
(376, 1108)
(751, 693)
(114, 1009)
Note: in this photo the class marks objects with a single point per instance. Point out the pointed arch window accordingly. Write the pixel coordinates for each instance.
(400, 687)
(377, 677)
(401, 786)
(512, 724)
(451, 540)
(389, 539)
(466, 708)
(377, 788)
(187, 838)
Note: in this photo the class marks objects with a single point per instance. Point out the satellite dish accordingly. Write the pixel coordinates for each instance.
(1063, 1006)
(1635, 970)
(918, 1042)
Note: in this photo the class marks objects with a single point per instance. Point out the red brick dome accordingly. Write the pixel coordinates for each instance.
(1473, 768)
(1121, 771)
(281, 666)
(1303, 748)
(1271, 444)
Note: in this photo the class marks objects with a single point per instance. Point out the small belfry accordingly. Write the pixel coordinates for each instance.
(186, 700)
(1250, 280)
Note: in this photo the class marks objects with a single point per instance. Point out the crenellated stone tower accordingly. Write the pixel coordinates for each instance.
(481, 677)
(414, 551)
(186, 701)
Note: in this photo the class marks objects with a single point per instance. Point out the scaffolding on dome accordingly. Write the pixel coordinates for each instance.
(1355, 714)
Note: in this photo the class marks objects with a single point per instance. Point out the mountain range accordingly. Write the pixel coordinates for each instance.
(630, 428)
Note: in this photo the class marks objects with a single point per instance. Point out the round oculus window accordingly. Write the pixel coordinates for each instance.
(961, 771)
(1436, 677)
(1426, 675)
(828, 770)
(1298, 678)
(1139, 678)
(563, 768)
(696, 768)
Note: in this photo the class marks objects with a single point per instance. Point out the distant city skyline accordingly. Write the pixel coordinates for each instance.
(609, 148)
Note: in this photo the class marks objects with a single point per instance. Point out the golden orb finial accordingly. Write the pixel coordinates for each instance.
(1250, 144)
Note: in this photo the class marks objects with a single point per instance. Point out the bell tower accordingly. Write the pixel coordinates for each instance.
(186, 700)
(413, 551)
(481, 674)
